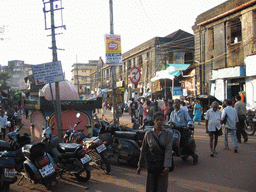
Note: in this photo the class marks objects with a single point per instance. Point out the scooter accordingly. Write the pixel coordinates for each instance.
(121, 143)
(16, 143)
(7, 166)
(39, 166)
(32, 161)
(70, 157)
(182, 150)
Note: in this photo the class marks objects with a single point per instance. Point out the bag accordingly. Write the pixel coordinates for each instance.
(224, 121)
(155, 161)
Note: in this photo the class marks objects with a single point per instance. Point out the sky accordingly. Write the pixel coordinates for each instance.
(137, 21)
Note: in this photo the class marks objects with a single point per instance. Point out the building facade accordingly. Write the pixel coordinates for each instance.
(17, 71)
(81, 78)
(224, 39)
(153, 56)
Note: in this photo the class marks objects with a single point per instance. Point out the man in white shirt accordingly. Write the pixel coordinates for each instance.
(3, 123)
(213, 126)
(231, 125)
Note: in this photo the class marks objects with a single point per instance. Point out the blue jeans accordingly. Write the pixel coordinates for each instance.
(232, 133)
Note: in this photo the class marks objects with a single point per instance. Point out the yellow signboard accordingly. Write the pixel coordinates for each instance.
(113, 49)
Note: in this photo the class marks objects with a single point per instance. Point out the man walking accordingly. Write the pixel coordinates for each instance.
(3, 123)
(231, 123)
(241, 111)
(154, 109)
(133, 107)
(213, 126)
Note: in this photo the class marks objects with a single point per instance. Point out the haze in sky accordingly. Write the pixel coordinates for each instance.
(137, 21)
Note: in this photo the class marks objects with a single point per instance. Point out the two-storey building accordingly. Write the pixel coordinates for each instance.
(224, 44)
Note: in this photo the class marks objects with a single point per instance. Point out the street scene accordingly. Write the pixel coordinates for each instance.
(227, 171)
(128, 96)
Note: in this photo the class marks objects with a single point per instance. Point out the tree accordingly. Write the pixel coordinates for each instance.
(4, 76)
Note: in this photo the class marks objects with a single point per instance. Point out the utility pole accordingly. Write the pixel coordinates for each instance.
(57, 105)
(113, 68)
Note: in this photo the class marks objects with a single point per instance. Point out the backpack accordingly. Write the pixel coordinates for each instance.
(133, 106)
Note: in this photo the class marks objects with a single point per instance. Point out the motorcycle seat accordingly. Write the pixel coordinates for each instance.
(68, 147)
(4, 145)
(89, 140)
(126, 135)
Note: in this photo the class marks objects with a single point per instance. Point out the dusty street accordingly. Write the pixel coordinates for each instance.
(227, 171)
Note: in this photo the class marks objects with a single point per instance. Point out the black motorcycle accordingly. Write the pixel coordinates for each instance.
(94, 147)
(70, 157)
(7, 166)
(182, 146)
(32, 161)
(123, 145)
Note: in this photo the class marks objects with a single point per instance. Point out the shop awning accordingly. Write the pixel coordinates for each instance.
(172, 71)
(164, 74)
(175, 69)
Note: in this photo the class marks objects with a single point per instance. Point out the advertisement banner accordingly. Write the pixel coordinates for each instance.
(47, 73)
(113, 50)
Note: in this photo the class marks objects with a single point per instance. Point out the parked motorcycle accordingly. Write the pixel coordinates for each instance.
(185, 149)
(70, 157)
(7, 166)
(97, 151)
(69, 136)
(39, 165)
(32, 161)
(94, 147)
(250, 122)
(124, 144)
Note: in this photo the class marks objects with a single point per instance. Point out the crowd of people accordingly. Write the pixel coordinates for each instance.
(157, 143)
(144, 109)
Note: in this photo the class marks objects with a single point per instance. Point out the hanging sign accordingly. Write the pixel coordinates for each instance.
(113, 50)
(135, 75)
(47, 73)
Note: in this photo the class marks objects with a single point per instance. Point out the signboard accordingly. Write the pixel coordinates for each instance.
(113, 50)
(47, 73)
(185, 92)
(135, 75)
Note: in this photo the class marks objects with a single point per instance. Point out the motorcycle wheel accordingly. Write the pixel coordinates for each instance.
(185, 158)
(52, 184)
(105, 164)
(250, 129)
(83, 176)
(5, 187)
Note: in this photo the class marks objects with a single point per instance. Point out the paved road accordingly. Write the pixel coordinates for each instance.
(226, 171)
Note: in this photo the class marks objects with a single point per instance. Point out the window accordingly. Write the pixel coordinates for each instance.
(170, 57)
(211, 38)
(140, 61)
(236, 35)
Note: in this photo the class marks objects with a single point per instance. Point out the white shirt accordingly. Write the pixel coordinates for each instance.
(3, 121)
(213, 118)
(232, 118)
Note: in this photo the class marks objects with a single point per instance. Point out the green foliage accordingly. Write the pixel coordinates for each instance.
(4, 76)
